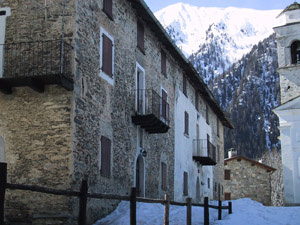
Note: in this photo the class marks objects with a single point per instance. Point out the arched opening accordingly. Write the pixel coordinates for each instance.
(295, 52)
(2, 150)
(198, 189)
(139, 177)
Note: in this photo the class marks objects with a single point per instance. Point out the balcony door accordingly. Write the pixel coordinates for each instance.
(4, 12)
(140, 89)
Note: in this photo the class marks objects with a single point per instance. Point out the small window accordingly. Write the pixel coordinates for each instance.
(196, 101)
(186, 123)
(227, 175)
(140, 36)
(2, 150)
(295, 52)
(208, 183)
(185, 184)
(164, 176)
(184, 86)
(105, 156)
(107, 8)
(207, 115)
(164, 105)
(163, 63)
(218, 153)
(216, 187)
(106, 56)
(218, 127)
(227, 196)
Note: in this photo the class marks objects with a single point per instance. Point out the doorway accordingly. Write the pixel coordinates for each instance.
(139, 177)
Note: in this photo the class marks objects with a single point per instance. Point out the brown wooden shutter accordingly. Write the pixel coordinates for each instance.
(184, 85)
(163, 63)
(107, 56)
(107, 8)
(140, 36)
(105, 156)
(227, 174)
(163, 176)
(164, 104)
(186, 123)
(185, 184)
(196, 101)
(227, 196)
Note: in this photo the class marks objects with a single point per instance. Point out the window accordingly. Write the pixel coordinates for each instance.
(295, 52)
(208, 183)
(196, 101)
(164, 105)
(4, 12)
(164, 176)
(218, 127)
(227, 175)
(207, 115)
(184, 86)
(215, 187)
(106, 56)
(2, 150)
(185, 184)
(105, 156)
(218, 153)
(107, 8)
(140, 36)
(163, 63)
(227, 196)
(186, 123)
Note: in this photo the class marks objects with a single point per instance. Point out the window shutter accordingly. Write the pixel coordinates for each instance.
(107, 56)
(207, 116)
(140, 36)
(227, 175)
(184, 85)
(186, 123)
(107, 8)
(164, 104)
(227, 196)
(163, 176)
(185, 184)
(163, 63)
(105, 156)
(196, 101)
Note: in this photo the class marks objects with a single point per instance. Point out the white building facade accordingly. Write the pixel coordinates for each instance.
(288, 47)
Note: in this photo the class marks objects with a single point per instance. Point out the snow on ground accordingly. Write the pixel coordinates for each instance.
(245, 212)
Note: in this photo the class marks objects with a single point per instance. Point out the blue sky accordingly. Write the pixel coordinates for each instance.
(156, 5)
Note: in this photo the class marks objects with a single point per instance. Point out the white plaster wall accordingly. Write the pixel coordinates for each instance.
(290, 150)
(184, 151)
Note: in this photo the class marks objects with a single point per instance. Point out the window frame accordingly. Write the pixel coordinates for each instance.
(103, 74)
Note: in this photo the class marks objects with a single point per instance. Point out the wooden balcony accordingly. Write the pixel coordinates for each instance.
(204, 152)
(35, 64)
(152, 112)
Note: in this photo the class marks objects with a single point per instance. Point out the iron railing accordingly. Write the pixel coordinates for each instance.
(203, 148)
(148, 102)
(36, 58)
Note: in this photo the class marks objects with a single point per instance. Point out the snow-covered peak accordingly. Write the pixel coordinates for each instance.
(188, 26)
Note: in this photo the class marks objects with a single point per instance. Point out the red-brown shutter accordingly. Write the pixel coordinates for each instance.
(163, 63)
(185, 184)
(227, 174)
(227, 196)
(140, 36)
(105, 156)
(107, 8)
(163, 176)
(184, 85)
(164, 104)
(107, 56)
(186, 123)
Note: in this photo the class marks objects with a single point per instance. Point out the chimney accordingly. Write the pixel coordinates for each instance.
(232, 153)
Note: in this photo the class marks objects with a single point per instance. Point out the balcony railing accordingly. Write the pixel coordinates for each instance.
(204, 152)
(35, 64)
(151, 111)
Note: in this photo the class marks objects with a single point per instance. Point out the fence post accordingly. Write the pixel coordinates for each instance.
(189, 211)
(229, 207)
(220, 210)
(133, 206)
(167, 210)
(3, 176)
(82, 203)
(206, 211)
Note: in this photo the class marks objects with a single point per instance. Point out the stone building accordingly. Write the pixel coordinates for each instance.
(288, 49)
(247, 178)
(99, 105)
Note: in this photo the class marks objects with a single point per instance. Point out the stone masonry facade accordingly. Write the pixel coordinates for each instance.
(248, 179)
(53, 138)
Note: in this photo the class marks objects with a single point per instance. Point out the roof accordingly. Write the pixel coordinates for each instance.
(269, 168)
(293, 103)
(146, 14)
(291, 7)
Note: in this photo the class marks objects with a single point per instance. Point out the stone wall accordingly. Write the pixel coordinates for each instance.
(273, 158)
(247, 180)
